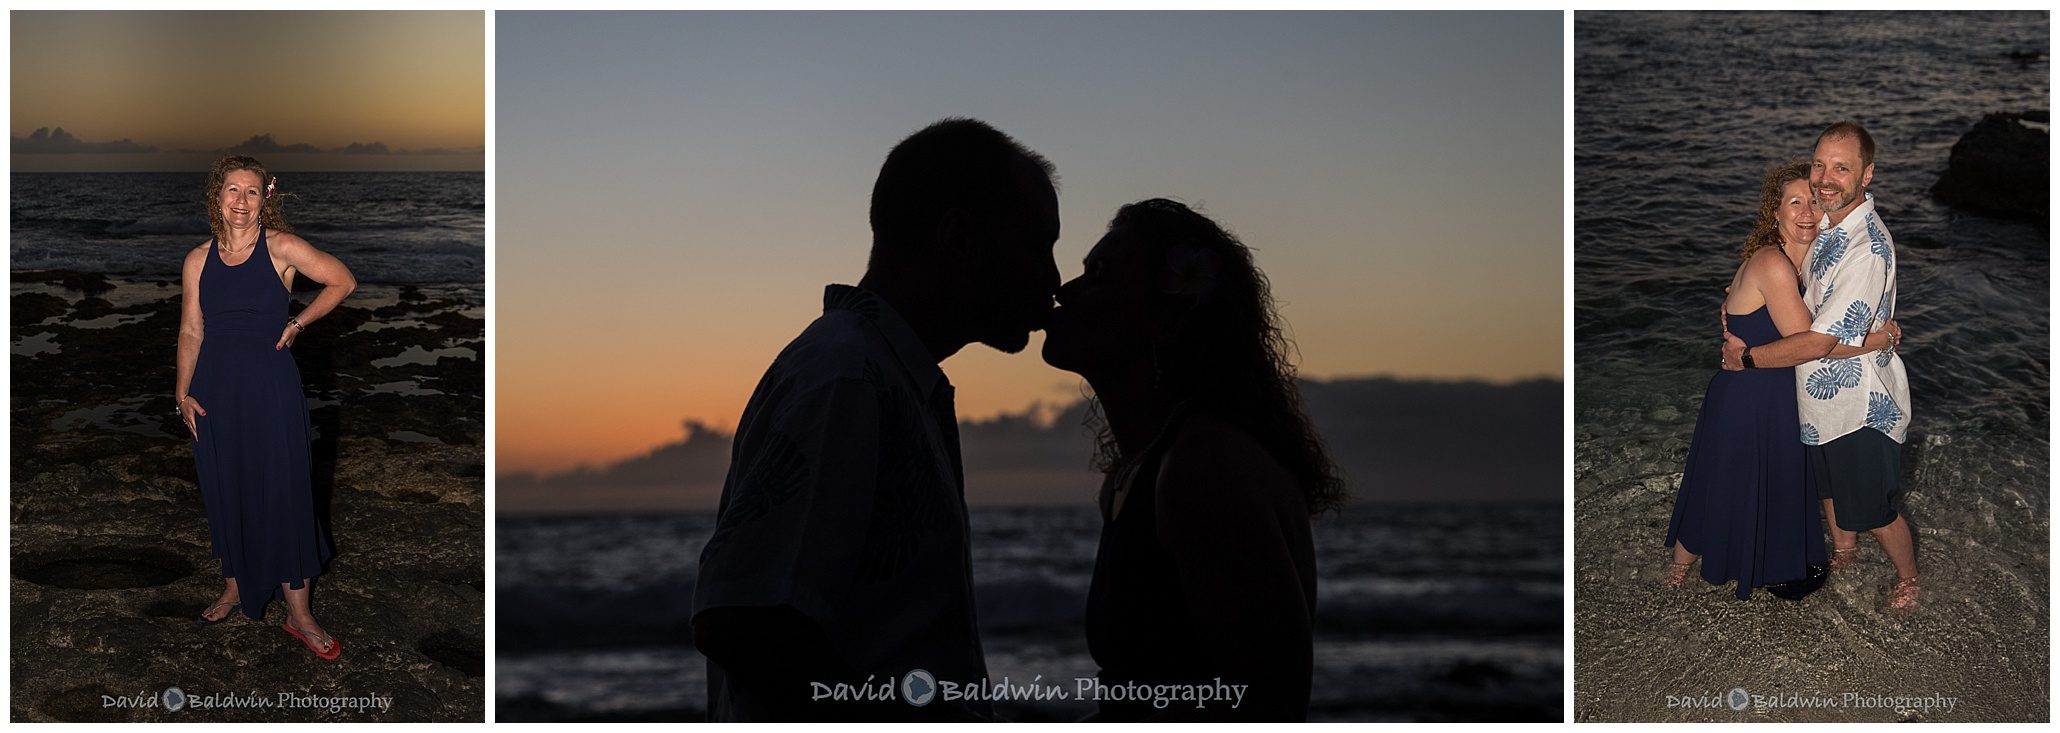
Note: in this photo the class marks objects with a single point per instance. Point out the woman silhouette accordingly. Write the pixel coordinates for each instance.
(1206, 571)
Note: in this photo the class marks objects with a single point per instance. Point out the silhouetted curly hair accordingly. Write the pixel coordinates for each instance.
(269, 214)
(1229, 358)
(1766, 230)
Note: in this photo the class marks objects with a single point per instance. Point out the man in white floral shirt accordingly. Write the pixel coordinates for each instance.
(1855, 412)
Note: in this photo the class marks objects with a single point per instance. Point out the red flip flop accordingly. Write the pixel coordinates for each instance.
(335, 644)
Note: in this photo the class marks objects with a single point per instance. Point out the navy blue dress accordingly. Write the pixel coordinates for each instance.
(252, 452)
(1744, 506)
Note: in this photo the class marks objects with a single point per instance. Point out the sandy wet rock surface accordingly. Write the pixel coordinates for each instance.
(1979, 506)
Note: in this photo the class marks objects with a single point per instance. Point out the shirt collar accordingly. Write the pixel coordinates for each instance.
(1852, 221)
(901, 338)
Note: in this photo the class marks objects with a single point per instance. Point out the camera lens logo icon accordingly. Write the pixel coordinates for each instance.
(1738, 699)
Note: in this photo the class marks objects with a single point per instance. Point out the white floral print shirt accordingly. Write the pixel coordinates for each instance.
(1849, 287)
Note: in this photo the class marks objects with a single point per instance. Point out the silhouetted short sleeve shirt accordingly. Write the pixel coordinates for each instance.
(845, 500)
(1850, 289)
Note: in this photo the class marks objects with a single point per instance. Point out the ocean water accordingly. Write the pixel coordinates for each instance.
(390, 228)
(1677, 116)
(1425, 612)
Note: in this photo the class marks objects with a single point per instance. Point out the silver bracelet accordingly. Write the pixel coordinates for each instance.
(295, 323)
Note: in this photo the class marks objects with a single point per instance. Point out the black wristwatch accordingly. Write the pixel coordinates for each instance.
(1747, 357)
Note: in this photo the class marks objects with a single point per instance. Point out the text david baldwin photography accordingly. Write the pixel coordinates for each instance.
(919, 688)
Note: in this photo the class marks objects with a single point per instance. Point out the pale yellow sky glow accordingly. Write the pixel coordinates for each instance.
(207, 80)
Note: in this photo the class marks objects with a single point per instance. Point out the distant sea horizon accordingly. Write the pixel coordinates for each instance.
(1394, 441)
(148, 171)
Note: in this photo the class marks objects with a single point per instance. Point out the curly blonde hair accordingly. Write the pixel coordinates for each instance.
(269, 214)
(1766, 231)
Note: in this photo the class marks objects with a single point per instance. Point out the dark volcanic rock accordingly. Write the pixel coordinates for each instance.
(32, 308)
(2000, 166)
(85, 282)
(110, 549)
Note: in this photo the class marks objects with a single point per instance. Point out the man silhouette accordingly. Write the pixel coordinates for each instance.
(840, 553)
(1855, 411)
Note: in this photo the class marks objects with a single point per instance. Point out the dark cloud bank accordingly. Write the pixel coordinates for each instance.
(1396, 441)
(47, 141)
(264, 145)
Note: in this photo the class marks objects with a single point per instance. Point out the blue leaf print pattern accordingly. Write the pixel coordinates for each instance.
(1878, 244)
(1858, 318)
(1830, 249)
(1881, 358)
(1824, 383)
(1882, 412)
(1809, 434)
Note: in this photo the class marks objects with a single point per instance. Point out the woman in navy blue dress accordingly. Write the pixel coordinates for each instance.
(1744, 507)
(240, 395)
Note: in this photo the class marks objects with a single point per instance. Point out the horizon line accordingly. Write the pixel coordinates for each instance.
(367, 170)
(1028, 409)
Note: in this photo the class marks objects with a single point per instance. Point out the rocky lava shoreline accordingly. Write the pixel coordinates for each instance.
(110, 547)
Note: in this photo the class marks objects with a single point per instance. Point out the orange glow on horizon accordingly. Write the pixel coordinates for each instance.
(621, 410)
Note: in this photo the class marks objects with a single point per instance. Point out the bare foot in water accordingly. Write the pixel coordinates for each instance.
(1903, 597)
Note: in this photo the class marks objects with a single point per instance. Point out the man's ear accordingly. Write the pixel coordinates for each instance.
(951, 239)
(1867, 176)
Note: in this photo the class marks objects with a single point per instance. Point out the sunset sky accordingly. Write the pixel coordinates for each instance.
(182, 86)
(673, 190)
